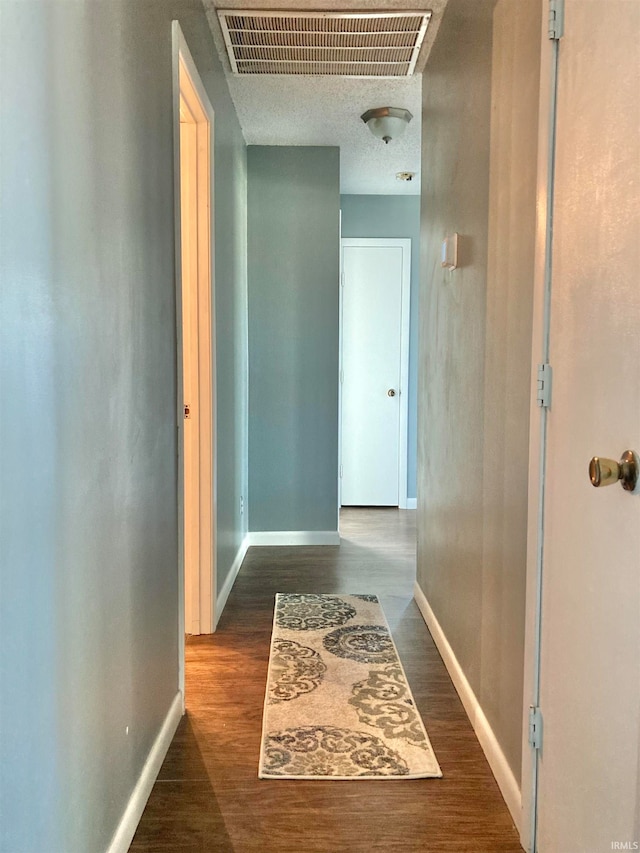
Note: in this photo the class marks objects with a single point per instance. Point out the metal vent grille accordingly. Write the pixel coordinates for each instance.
(323, 43)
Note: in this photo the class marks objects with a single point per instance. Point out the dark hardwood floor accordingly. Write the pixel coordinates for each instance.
(208, 796)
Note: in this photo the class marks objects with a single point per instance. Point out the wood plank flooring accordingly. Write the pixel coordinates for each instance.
(208, 797)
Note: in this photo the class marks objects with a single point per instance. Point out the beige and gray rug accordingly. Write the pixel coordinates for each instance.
(338, 705)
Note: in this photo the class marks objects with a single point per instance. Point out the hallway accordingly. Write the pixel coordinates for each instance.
(208, 796)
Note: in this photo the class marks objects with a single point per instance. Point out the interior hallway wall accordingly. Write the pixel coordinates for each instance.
(89, 551)
(480, 101)
(293, 271)
(394, 216)
(507, 368)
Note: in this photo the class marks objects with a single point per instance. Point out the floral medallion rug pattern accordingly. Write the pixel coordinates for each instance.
(338, 705)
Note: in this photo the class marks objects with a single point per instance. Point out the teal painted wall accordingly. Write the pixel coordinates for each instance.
(394, 216)
(293, 272)
(88, 455)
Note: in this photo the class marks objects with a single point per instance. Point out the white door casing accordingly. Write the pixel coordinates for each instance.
(589, 763)
(193, 158)
(374, 361)
(191, 431)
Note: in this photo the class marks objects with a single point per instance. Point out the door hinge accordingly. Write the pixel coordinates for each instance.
(556, 19)
(342, 279)
(342, 377)
(341, 471)
(535, 727)
(544, 386)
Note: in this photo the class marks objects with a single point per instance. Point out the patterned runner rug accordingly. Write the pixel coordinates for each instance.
(338, 705)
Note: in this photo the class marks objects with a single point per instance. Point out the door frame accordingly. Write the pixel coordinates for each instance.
(187, 84)
(545, 185)
(403, 243)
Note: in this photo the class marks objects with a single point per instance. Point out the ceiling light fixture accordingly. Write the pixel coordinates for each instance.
(387, 123)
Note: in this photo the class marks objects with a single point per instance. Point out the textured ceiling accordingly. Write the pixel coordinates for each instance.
(326, 110)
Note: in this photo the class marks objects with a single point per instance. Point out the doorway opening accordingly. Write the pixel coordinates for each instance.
(196, 367)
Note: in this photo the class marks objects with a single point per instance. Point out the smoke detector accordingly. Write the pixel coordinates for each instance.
(405, 176)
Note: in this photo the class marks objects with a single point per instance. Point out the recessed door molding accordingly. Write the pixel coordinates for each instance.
(193, 184)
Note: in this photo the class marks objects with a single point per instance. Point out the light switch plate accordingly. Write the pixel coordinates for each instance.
(450, 251)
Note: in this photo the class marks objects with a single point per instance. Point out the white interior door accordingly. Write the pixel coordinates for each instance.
(589, 795)
(375, 304)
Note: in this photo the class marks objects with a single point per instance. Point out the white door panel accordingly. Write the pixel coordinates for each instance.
(372, 349)
(589, 794)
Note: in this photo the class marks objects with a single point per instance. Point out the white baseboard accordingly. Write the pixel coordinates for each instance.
(488, 741)
(294, 537)
(123, 835)
(231, 579)
(412, 503)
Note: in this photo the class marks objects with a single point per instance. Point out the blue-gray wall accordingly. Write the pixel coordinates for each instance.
(88, 535)
(393, 216)
(293, 271)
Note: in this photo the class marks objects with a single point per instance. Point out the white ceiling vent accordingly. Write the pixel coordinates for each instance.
(323, 43)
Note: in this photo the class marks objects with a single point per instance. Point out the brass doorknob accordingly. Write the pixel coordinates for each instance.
(391, 393)
(606, 472)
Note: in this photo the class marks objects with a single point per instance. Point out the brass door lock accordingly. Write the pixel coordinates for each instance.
(606, 472)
